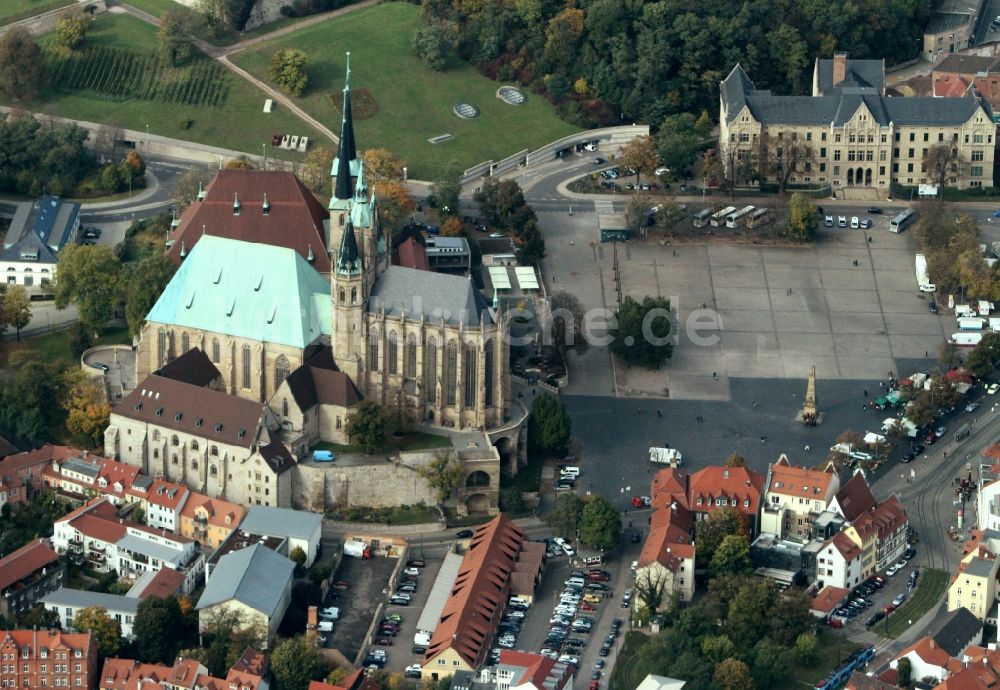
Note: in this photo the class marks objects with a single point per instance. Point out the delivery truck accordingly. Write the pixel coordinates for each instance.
(666, 456)
(965, 338)
(971, 323)
(923, 280)
(357, 548)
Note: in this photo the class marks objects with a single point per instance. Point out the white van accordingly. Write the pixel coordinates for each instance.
(520, 601)
(591, 146)
(570, 471)
(576, 582)
(855, 222)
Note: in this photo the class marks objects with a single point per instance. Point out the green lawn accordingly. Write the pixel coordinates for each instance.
(413, 103)
(54, 347)
(16, 10)
(415, 440)
(158, 7)
(930, 588)
(155, 7)
(833, 649)
(240, 124)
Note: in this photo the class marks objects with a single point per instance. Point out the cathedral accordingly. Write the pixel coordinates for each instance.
(261, 302)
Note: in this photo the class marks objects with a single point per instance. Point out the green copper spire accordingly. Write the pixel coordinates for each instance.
(348, 258)
(346, 151)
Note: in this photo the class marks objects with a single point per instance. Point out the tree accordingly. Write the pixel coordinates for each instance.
(16, 308)
(785, 158)
(452, 227)
(732, 557)
(106, 631)
(288, 70)
(501, 203)
(548, 424)
(600, 523)
(703, 126)
(443, 474)
(790, 616)
(434, 43)
(114, 178)
(640, 155)
(187, 186)
(710, 532)
(770, 662)
(87, 408)
(905, 672)
(803, 218)
(529, 245)
(134, 166)
(643, 333)
(736, 460)
(942, 164)
(678, 142)
(650, 586)
(22, 65)
(28, 399)
(983, 358)
(446, 190)
(566, 321)
(71, 29)
(668, 215)
(294, 663)
(90, 278)
(239, 163)
(173, 37)
(565, 517)
(229, 633)
(158, 629)
(366, 426)
(298, 556)
(806, 648)
(144, 283)
(316, 167)
(386, 175)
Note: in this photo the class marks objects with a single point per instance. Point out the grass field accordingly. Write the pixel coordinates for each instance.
(415, 440)
(55, 348)
(833, 649)
(158, 7)
(16, 10)
(209, 125)
(414, 103)
(930, 588)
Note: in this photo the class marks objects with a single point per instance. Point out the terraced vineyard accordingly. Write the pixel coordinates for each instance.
(124, 73)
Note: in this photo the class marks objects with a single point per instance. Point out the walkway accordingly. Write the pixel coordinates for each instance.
(222, 56)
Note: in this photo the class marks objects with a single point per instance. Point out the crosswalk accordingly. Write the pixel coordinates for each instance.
(604, 206)
(166, 164)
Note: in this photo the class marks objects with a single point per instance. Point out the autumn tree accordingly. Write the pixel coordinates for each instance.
(316, 167)
(803, 218)
(650, 590)
(294, 662)
(133, 165)
(446, 190)
(443, 474)
(71, 29)
(385, 173)
(22, 65)
(942, 164)
(786, 157)
(640, 154)
(173, 37)
(731, 557)
(186, 189)
(89, 277)
(710, 532)
(985, 356)
(15, 309)
(452, 227)
(288, 70)
(87, 408)
(239, 163)
(106, 630)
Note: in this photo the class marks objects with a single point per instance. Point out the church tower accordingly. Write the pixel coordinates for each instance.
(349, 292)
(345, 170)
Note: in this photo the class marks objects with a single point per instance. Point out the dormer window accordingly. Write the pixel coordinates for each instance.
(159, 412)
(236, 204)
(218, 427)
(177, 416)
(138, 406)
(242, 433)
(198, 421)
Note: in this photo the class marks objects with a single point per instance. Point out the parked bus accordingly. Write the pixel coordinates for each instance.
(758, 217)
(719, 217)
(737, 219)
(702, 217)
(899, 223)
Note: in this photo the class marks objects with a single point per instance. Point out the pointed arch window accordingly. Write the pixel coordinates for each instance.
(246, 366)
(185, 343)
(161, 348)
(343, 295)
(451, 373)
(216, 353)
(469, 375)
(430, 370)
(373, 351)
(410, 366)
(392, 354)
(488, 373)
(281, 370)
(354, 295)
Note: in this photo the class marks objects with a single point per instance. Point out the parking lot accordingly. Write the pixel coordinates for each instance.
(400, 654)
(367, 581)
(882, 601)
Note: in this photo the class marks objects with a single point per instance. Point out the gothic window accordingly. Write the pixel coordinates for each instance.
(216, 354)
(185, 343)
(451, 373)
(469, 374)
(246, 366)
(213, 470)
(373, 351)
(488, 374)
(214, 450)
(174, 441)
(430, 370)
(342, 295)
(194, 445)
(161, 348)
(393, 355)
(410, 368)
(156, 434)
(281, 370)
(284, 407)
(354, 295)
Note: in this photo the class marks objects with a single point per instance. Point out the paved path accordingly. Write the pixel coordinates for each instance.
(221, 55)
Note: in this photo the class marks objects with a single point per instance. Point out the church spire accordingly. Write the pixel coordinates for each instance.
(346, 150)
(348, 258)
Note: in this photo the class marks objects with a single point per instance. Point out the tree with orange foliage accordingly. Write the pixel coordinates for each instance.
(87, 409)
(384, 174)
(452, 227)
(241, 163)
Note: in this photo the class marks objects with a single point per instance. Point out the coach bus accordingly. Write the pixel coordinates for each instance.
(702, 217)
(758, 217)
(899, 223)
(737, 219)
(719, 217)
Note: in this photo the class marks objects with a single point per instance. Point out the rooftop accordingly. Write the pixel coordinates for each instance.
(192, 367)
(26, 560)
(854, 498)
(79, 598)
(282, 522)
(255, 576)
(434, 296)
(40, 231)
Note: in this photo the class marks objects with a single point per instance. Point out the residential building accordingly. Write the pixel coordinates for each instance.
(951, 29)
(988, 501)
(827, 600)
(716, 487)
(860, 680)
(302, 529)
(854, 498)
(12, 490)
(95, 534)
(262, 206)
(218, 444)
(183, 674)
(77, 478)
(209, 521)
(667, 558)
(48, 659)
(974, 586)
(961, 630)
(852, 135)
(927, 660)
(889, 524)
(28, 466)
(462, 637)
(27, 574)
(161, 502)
(526, 671)
(838, 563)
(794, 496)
(260, 310)
(37, 234)
(66, 603)
(255, 581)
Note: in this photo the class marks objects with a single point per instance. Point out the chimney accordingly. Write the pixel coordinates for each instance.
(839, 67)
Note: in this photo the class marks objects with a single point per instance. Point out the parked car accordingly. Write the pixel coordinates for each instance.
(412, 671)
(875, 618)
(972, 407)
(866, 223)
(875, 210)
(892, 570)
(383, 641)
(900, 598)
(341, 585)
(399, 600)
(842, 221)
(412, 571)
(467, 533)
(992, 388)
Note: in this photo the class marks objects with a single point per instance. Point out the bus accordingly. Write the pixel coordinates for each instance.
(702, 217)
(719, 217)
(758, 217)
(737, 219)
(899, 223)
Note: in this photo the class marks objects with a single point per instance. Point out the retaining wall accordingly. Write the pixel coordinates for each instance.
(44, 23)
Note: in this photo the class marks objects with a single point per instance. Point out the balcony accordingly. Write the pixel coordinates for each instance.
(97, 548)
(97, 558)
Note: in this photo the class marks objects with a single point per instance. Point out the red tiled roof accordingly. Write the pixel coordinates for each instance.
(412, 254)
(479, 594)
(729, 483)
(165, 583)
(97, 520)
(252, 661)
(536, 669)
(859, 680)
(799, 481)
(356, 681)
(965, 679)
(295, 219)
(50, 639)
(220, 513)
(847, 548)
(114, 472)
(828, 598)
(887, 517)
(950, 86)
(669, 486)
(855, 497)
(928, 650)
(26, 560)
(992, 451)
(162, 493)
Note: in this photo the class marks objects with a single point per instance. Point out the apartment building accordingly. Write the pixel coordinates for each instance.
(974, 586)
(667, 557)
(716, 487)
(187, 674)
(27, 574)
(794, 496)
(47, 659)
(161, 501)
(210, 521)
(849, 134)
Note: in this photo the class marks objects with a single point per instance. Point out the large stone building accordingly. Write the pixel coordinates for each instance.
(37, 235)
(849, 134)
(427, 341)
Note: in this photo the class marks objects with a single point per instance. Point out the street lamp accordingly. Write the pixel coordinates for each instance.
(263, 150)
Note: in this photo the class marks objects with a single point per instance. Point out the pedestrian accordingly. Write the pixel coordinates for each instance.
(755, 403)
(866, 392)
(659, 414)
(532, 391)
(715, 376)
(869, 240)
(925, 354)
(675, 252)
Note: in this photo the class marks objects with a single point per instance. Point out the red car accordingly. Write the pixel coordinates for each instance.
(595, 684)
(341, 585)
(637, 502)
(835, 623)
(889, 608)
(597, 577)
(383, 641)
(587, 606)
